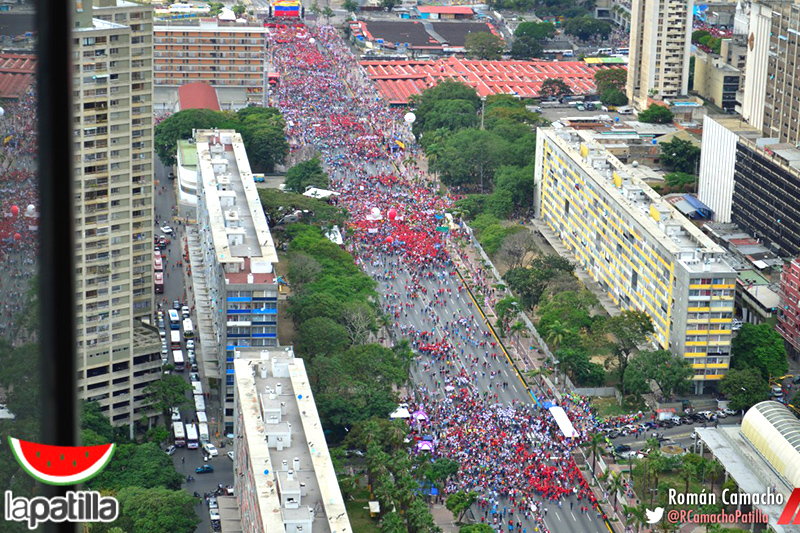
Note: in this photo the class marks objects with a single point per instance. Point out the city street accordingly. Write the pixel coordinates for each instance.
(187, 460)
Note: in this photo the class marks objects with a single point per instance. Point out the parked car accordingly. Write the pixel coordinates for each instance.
(205, 469)
(777, 391)
(185, 311)
(166, 229)
(613, 434)
(194, 368)
(796, 380)
(194, 376)
(162, 242)
(727, 411)
(213, 514)
(618, 449)
(212, 503)
(171, 450)
(176, 414)
(172, 175)
(176, 304)
(230, 455)
(190, 344)
(210, 450)
(721, 414)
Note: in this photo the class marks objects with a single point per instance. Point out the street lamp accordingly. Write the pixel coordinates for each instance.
(483, 106)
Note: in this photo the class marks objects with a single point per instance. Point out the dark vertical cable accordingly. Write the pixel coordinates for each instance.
(57, 250)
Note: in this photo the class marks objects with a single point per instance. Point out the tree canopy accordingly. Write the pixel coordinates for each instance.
(138, 465)
(761, 348)
(744, 388)
(629, 330)
(671, 374)
(306, 174)
(554, 88)
(528, 39)
(152, 510)
(656, 114)
(680, 155)
(587, 27)
(484, 45)
(445, 90)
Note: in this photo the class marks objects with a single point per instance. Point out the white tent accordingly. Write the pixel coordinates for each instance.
(563, 421)
(226, 14)
(401, 412)
(321, 194)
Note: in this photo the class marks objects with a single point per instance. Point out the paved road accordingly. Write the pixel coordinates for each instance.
(187, 460)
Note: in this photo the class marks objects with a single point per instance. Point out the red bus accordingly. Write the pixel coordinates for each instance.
(159, 282)
(158, 264)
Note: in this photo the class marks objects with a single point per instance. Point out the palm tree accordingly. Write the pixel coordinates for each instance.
(714, 471)
(637, 515)
(556, 333)
(595, 446)
(517, 328)
(615, 485)
(384, 491)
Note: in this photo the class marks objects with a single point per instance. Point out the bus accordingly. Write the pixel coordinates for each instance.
(188, 328)
(180, 362)
(201, 417)
(158, 264)
(158, 281)
(179, 436)
(198, 388)
(199, 404)
(174, 319)
(175, 340)
(191, 437)
(204, 436)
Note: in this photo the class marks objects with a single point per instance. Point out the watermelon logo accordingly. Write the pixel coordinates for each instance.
(61, 465)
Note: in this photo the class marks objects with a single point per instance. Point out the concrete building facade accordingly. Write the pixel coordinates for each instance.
(660, 42)
(782, 100)
(755, 78)
(118, 354)
(716, 80)
(717, 162)
(639, 248)
(283, 473)
(220, 54)
(238, 254)
(789, 310)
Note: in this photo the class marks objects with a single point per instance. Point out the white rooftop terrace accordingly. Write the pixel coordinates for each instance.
(236, 218)
(674, 232)
(278, 383)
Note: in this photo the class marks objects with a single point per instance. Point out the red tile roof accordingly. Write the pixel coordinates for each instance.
(198, 96)
(397, 80)
(17, 73)
(446, 10)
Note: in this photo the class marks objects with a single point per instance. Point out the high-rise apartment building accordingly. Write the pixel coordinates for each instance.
(210, 51)
(661, 34)
(238, 256)
(118, 355)
(639, 248)
(782, 103)
(755, 70)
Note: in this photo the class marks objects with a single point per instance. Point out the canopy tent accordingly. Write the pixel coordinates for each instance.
(420, 415)
(563, 421)
(425, 446)
(400, 412)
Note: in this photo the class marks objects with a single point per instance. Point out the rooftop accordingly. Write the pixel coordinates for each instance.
(198, 96)
(276, 399)
(204, 25)
(626, 185)
(239, 231)
(446, 10)
(397, 80)
(455, 33)
(188, 153)
(752, 473)
(17, 73)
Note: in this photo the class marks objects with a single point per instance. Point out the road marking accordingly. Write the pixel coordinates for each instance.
(573, 516)
(558, 516)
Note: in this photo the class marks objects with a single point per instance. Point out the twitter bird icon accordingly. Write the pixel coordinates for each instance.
(654, 516)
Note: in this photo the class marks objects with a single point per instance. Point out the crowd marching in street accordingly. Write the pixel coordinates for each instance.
(19, 241)
(510, 452)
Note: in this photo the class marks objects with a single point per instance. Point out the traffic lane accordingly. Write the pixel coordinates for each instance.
(563, 519)
(203, 483)
(680, 434)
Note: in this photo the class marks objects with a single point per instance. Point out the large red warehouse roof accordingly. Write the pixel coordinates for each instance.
(397, 80)
(17, 72)
(198, 96)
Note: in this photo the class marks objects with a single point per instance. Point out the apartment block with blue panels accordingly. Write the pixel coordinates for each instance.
(238, 253)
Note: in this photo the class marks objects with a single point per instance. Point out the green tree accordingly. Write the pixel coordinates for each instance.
(670, 373)
(595, 445)
(266, 146)
(470, 157)
(138, 465)
(613, 97)
(216, 8)
(144, 510)
(321, 337)
(484, 45)
(556, 332)
(158, 435)
(179, 126)
(680, 180)
(239, 10)
(168, 392)
(656, 114)
(760, 347)
(93, 419)
(539, 31)
(629, 329)
(393, 523)
(587, 27)
(515, 248)
(452, 115)
(351, 6)
(554, 88)
(388, 4)
(306, 174)
(459, 503)
(611, 78)
(744, 388)
(444, 90)
(476, 528)
(526, 48)
(680, 155)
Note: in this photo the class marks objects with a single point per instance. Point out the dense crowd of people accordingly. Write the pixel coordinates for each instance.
(512, 453)
(18, 190)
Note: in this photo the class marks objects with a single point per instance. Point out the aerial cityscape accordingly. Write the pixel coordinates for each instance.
(419, 266)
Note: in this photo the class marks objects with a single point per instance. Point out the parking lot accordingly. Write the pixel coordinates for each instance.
(557, 113)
